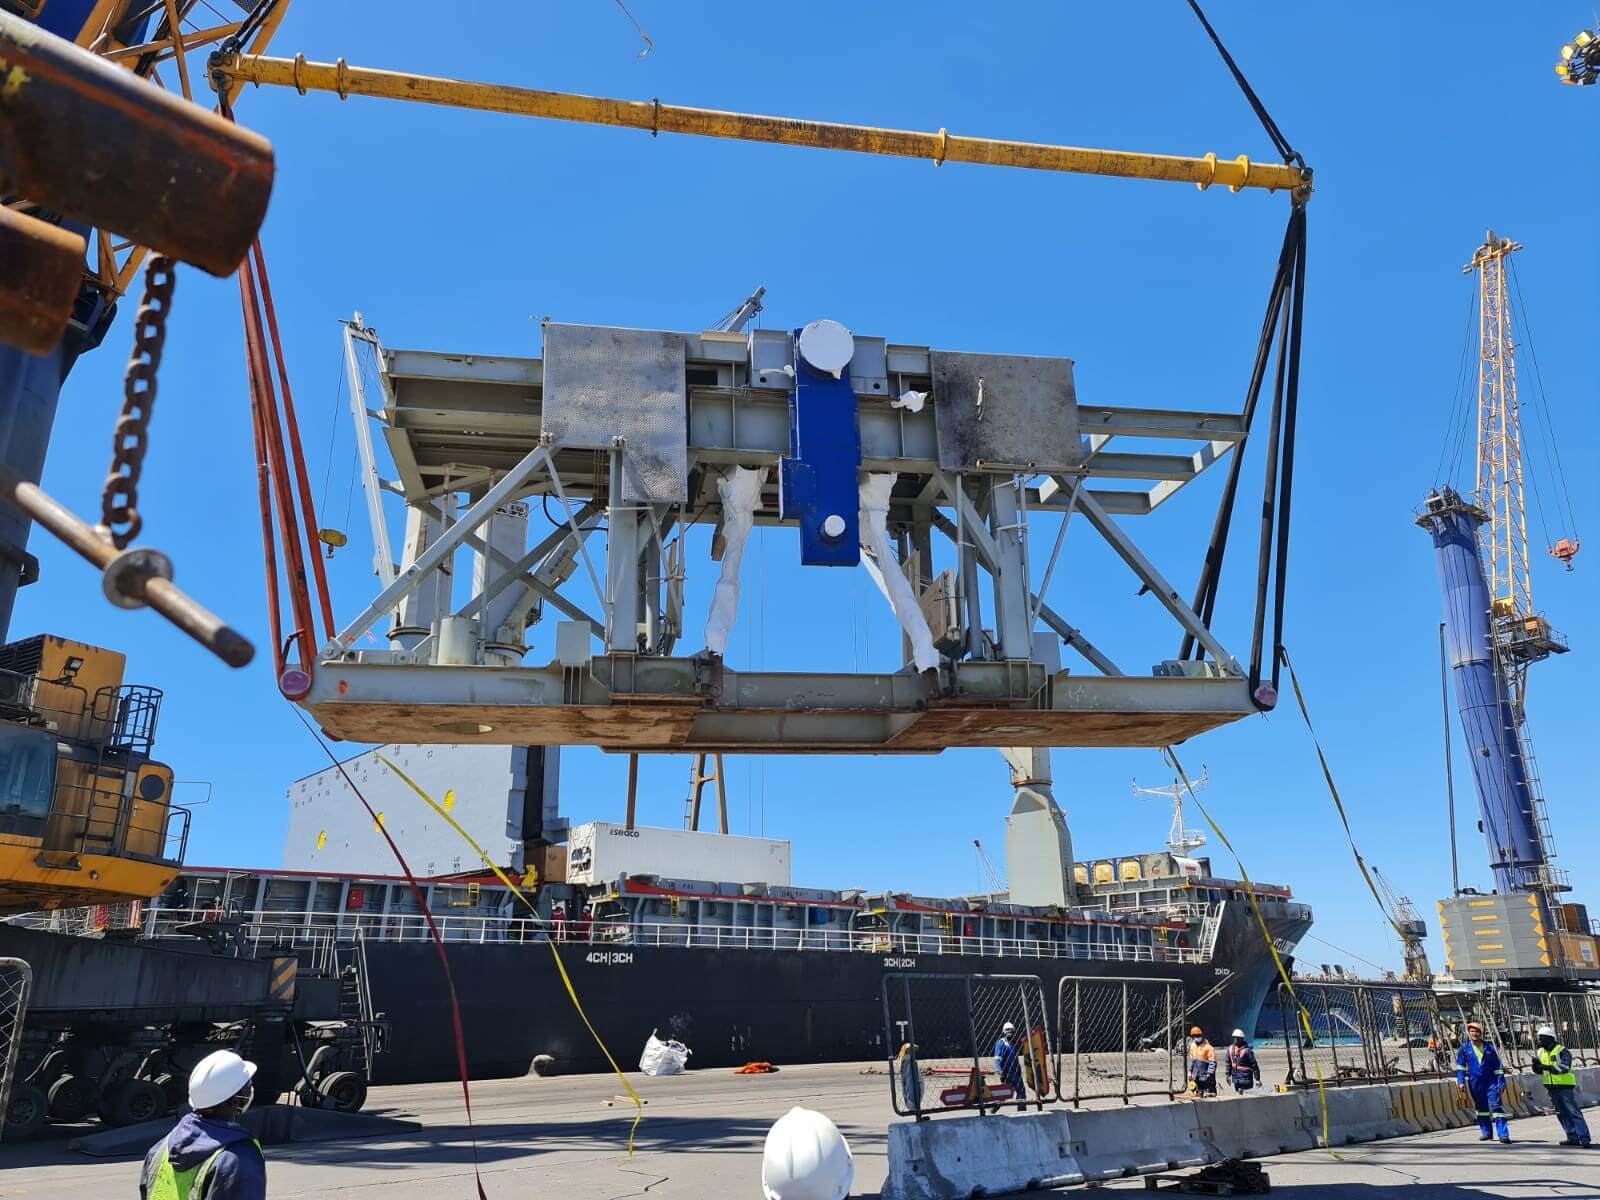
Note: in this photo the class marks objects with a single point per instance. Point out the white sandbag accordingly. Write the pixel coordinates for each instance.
(663, 1058)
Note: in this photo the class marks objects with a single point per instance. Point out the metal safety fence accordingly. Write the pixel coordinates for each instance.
(1363, 1033)
(1515, 1018)
(949, 1048)
(1118, 1038)
(16, 979)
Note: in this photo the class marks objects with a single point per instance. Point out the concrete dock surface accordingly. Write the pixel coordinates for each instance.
(702, 1137)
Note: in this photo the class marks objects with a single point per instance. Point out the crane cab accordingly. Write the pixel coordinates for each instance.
(86, 814)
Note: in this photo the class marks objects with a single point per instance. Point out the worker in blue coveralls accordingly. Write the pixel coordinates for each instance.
(1008, 1062)
(1480, 1075)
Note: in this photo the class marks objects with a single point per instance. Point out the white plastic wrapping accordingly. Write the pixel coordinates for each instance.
(740, 491)
(909, 399)
(885, 569)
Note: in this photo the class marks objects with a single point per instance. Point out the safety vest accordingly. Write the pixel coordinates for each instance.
(1550, 1068)
(172, 1184)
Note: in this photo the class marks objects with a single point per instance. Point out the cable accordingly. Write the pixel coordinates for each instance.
(433, 931)
(1279, 142)
(1349, 953)
(1551, 442)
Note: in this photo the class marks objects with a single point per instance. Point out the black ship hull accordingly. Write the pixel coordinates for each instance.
(730, 1006)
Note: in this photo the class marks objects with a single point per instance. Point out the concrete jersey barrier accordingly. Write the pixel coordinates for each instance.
(959, 1157)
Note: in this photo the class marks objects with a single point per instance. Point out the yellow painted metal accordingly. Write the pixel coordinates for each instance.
(656, 117)
(26, 886)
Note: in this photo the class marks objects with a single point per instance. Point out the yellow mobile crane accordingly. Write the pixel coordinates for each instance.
(86, 814)
(1405, 918)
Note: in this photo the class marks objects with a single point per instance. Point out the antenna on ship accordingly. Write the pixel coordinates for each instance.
(1180, 840)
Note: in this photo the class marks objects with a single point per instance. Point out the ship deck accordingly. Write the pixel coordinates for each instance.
(702, 1136)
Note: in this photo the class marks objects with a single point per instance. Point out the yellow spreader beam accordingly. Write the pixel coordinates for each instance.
(652, 115)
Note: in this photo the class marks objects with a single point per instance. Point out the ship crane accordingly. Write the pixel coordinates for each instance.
(1494, 633)
(997, 886)
(1408, 922)
(1180, 840)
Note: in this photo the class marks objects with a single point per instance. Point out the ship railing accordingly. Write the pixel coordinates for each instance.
(320, 928)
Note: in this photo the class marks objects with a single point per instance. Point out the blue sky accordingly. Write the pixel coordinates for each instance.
(456, 231)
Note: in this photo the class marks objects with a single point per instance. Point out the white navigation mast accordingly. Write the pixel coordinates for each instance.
(1180, 840)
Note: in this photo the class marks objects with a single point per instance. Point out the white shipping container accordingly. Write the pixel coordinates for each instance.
(600, 852)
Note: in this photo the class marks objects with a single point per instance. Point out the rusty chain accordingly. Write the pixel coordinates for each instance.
(119, 500)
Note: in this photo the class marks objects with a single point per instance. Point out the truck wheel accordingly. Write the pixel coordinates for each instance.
(71, 1098)
(343, 1091)
(131, 1101)
(28, 1113)
(174, 1087)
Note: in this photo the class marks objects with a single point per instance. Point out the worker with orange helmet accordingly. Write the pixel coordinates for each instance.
(1202, 1064)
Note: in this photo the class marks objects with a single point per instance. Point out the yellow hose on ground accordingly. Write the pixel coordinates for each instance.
(561, 967)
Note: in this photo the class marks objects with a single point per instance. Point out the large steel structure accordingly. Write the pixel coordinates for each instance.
(658, 430)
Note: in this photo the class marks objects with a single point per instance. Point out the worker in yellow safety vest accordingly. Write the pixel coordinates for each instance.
(209, 1155)
(1555, 1071)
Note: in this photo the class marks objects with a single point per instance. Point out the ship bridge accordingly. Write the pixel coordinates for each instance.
(897, 457)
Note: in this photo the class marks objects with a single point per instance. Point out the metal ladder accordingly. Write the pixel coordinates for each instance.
(355, 1001)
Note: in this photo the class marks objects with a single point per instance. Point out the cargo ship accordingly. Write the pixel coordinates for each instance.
(700, 936)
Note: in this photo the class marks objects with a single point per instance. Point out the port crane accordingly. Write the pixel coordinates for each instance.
(1494, 633)
(1411, 927)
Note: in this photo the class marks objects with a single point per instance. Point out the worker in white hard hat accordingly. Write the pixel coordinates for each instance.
(806, 1158)
(1244, 1072)
(1008, 1063)
(1555, 1071)
(209, 1155)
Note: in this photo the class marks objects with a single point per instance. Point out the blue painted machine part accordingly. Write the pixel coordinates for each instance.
(1483, 701)
(30, 388)
(819, 479)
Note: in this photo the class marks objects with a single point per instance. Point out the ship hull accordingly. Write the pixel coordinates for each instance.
(730, 1006)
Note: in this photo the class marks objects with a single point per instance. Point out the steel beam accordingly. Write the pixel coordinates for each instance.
(452, 537)
(1151, 578)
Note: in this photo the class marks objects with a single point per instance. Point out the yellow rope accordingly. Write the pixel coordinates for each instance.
(561, 968)
(1333, 790)
(1266, 934)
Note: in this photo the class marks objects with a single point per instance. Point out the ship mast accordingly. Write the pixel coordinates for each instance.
(1179, 840)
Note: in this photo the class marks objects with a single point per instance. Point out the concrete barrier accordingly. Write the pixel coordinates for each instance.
(954, 1158)
(1112, 1142)
(1362, 1114)
(1259, 1125)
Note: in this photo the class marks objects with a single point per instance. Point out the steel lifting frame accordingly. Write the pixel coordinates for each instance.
(459, 425)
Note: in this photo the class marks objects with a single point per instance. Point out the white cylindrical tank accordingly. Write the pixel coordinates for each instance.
(806, 1158)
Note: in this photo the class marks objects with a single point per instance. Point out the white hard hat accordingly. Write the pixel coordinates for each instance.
(217, 1077)
(806, 1158)
(1238, 1033)
(1008, 1027)
(1548, 1031)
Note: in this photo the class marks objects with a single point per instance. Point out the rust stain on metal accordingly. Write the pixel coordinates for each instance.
(43, 270)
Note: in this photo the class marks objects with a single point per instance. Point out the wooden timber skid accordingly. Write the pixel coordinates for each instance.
(467, 435)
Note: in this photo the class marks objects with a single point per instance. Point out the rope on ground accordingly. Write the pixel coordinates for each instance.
(438, 944)
(1266, 934)
(1338, 803)
(561, 968)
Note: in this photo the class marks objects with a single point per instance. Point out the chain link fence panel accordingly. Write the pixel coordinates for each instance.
(1514, 1018)
(16, 980)
(1118, 1038)
(947, 1042)
(1364, 1033)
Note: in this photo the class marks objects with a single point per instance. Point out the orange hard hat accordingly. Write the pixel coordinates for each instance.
(1197, 1032)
